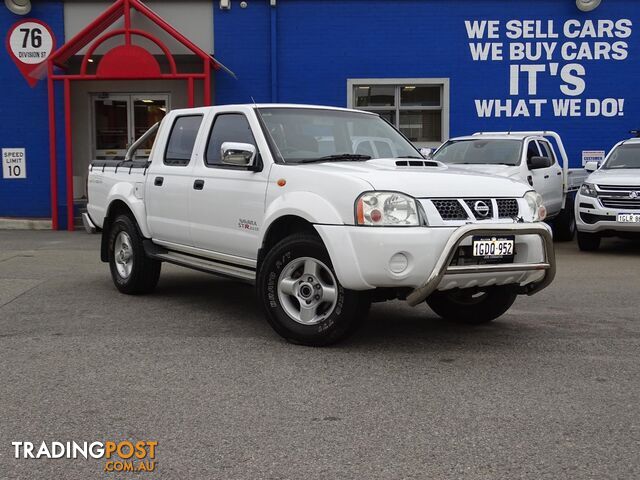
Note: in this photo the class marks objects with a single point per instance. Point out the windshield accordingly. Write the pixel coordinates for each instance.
(307, 134)
(625, 156)
(481, 152)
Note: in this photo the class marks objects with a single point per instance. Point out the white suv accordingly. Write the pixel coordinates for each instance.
(608, 203)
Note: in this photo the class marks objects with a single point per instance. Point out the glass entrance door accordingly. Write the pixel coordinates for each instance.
(119, 119)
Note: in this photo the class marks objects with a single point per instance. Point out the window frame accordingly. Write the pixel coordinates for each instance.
(258, 160)
(195, 141)
(397, 109)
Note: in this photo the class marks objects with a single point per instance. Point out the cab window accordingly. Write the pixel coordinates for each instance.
(227, 127)
(533, 150)
(547, 151)
(182, 138)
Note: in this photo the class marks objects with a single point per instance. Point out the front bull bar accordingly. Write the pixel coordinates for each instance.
(443, 265)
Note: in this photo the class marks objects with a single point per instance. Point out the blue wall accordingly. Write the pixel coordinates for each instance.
(305, 50)
(24, 123)
(321, 43)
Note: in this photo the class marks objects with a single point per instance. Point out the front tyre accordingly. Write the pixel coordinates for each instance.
(588, 242)
(301, 295)
(564, 225)
(472, 306)
(131, 270)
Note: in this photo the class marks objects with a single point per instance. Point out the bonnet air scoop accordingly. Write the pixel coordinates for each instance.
(416, 163)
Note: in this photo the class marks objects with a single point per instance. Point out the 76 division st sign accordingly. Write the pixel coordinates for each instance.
(14, 163)
(29, 43)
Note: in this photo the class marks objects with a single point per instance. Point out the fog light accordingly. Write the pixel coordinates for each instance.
(398, 263)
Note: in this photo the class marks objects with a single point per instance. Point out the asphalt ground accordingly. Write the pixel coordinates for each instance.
(550, 390)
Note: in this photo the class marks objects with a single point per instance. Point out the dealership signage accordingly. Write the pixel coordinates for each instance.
(554, 56)
(29, 43)
(592, 156)
(14, 163)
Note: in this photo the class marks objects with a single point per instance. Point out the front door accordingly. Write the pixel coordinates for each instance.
(227, 207)
(545, 181)
(118, 119)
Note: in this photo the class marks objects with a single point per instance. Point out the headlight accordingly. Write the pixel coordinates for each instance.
(588, 190)
(385, 209)
(534, 200)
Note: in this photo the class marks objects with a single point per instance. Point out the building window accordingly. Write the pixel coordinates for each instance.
(419, 108)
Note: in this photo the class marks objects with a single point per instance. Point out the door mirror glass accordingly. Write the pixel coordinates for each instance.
(427, 152)
(238, 154)
(539, 162)
(591, 166)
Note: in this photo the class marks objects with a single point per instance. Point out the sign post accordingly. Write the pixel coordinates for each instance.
(29, 43)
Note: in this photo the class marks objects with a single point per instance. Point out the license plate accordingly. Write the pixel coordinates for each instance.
(629, 217)
(493, 247)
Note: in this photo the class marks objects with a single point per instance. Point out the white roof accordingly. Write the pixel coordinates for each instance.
(294, 105)
(494, 136)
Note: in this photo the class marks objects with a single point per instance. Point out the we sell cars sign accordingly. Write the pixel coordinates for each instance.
(550, 65)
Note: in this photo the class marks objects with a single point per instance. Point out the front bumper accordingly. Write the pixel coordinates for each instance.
(362, 257)
(593, 217)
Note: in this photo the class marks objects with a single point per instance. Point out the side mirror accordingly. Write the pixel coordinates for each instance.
(238, 154)
(591, 166)
(539, 162)
(427, 152)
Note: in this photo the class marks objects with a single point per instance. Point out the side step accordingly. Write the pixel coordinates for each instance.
(199, 263)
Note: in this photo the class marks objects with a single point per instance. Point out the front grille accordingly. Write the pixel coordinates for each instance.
(621, 203)
(621, 197)
(475, 204)
(508, 208)
(450, 209)
(618, 188)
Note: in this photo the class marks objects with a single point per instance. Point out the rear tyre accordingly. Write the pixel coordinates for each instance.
(564, 225)
(131, 270)
(588, 242)
(301, 295)
(472, 306)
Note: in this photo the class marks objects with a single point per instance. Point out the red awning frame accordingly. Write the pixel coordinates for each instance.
(123, 62)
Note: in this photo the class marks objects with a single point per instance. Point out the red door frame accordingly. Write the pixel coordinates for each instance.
(124, 62)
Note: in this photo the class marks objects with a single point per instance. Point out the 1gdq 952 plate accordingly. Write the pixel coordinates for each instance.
(493, 247)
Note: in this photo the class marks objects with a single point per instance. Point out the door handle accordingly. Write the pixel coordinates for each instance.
(158, 181)
(198, 185)
(559, 173)
(546, 176)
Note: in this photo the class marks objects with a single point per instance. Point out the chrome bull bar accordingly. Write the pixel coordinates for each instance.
(443, 265)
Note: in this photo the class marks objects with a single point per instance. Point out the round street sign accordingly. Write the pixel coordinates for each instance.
(29, 43)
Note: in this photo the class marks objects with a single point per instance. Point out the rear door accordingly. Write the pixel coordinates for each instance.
(169, 179)
(542, 181)
(227, 208)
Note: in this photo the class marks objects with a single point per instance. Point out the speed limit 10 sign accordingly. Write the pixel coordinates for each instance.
(14, 163)
(29, 43)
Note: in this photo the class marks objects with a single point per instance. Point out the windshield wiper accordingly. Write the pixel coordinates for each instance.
(337, 158)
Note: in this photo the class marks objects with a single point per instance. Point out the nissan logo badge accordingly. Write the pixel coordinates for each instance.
(481, 208)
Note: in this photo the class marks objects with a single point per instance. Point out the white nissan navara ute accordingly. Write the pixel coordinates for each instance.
(608, 203)
(301, 201)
